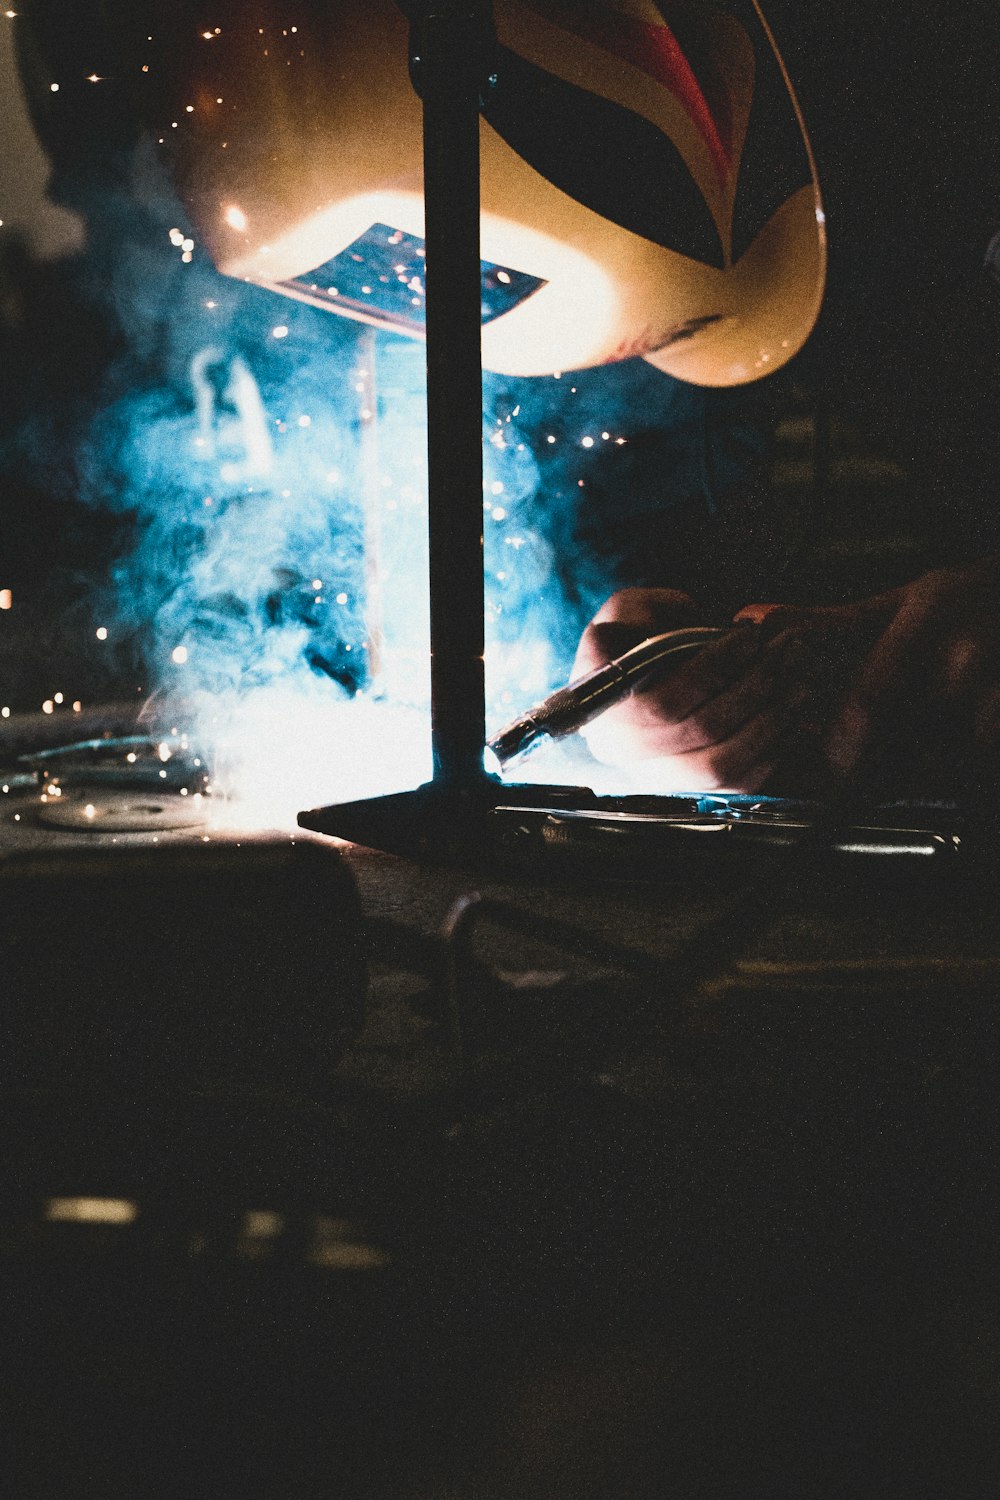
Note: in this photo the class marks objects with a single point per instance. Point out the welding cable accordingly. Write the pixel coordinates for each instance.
(570, 708)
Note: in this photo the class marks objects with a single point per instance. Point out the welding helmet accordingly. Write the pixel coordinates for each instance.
(647, 183)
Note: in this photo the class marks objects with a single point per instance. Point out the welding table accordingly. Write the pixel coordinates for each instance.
(569, 1216)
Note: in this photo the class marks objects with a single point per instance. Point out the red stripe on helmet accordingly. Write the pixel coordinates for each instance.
(655, 51)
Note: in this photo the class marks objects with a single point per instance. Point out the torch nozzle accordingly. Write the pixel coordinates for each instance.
(570, 708)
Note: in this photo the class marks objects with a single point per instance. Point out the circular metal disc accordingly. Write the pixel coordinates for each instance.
(113, 810)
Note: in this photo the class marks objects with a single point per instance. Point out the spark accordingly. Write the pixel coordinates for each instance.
(587, 442)
(48, 706)
(235, 217)
(281, 332)
(6, 595)
(179, 654)
(341, 598)
(58, 698)
(54, 88)
(90, 811)
(102, 632)
(305, 421)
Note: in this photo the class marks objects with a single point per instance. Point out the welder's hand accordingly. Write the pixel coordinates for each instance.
(725, 718)
(920, 670)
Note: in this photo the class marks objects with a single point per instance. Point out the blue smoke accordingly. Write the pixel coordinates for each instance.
(271, 461)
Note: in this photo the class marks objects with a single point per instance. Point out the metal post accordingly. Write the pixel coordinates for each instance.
(449, 57)
(448, 63)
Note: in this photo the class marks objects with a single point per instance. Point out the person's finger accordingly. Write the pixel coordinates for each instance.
(709, 705)
(891, 672)
(759, 742)
(739, 762)
(602, 643)
(700, 677)
(776, 617)
(645, 723)
(839, 636)
(648, 609)
(629, 617)
(776, 673)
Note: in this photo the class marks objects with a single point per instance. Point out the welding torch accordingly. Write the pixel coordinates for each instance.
(570, 708)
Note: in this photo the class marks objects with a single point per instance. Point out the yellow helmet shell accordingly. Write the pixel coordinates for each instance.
(647, 183)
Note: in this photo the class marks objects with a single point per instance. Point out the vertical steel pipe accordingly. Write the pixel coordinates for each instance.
(448, 65)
